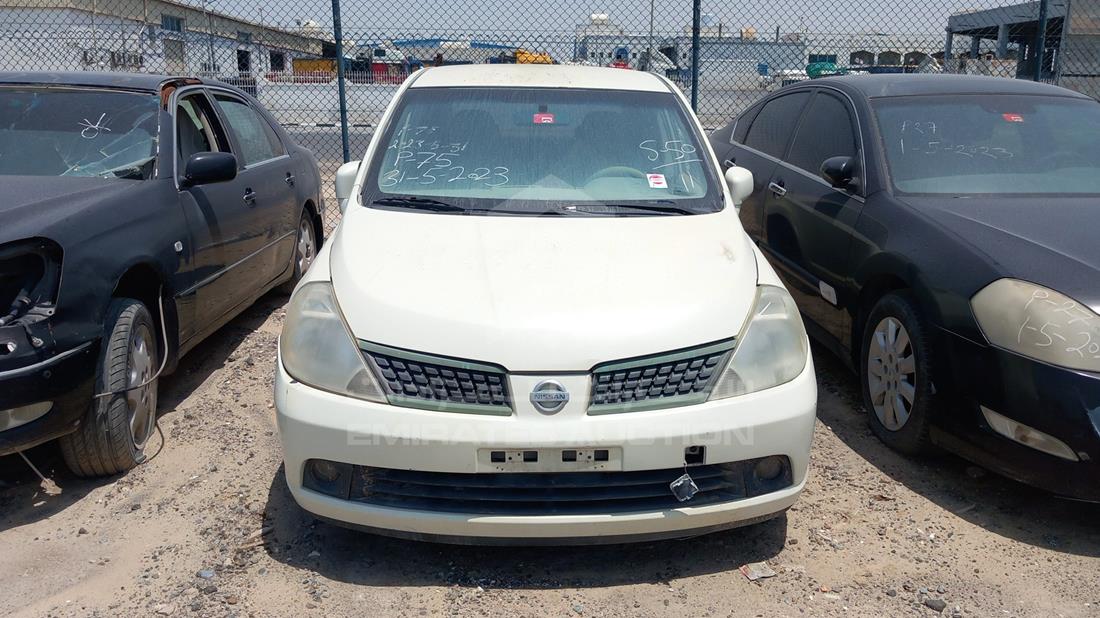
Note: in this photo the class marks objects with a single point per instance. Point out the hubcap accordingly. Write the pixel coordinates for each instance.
(305, 245)
(141, 402)
(892, 374)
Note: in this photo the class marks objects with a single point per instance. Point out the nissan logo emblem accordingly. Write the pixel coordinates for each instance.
(549, 396)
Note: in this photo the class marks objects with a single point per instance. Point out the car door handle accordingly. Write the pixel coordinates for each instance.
(778, 189)
(290, 179)
(249, 197)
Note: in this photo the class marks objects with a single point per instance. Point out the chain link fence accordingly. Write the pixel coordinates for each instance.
(723, 56)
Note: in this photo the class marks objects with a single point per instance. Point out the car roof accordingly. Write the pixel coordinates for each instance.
(910, 84)
(101, 79)
(538, 76)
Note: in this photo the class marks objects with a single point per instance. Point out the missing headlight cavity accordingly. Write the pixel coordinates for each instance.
(29, 274)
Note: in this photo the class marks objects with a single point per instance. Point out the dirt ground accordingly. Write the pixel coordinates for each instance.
(208, 528)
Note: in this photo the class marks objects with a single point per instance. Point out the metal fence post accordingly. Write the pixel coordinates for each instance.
(1040, 40)
(338, 32)
(695, 17)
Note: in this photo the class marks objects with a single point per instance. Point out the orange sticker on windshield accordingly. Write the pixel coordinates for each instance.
(1013, 117)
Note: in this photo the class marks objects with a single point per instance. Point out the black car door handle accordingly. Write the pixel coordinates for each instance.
(290, 179)
(249, 197)
(778, 189)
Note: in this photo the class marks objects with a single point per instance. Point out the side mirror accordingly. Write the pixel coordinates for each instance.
(345, 182)
(838, 171)
(205, 168)
(739, 183)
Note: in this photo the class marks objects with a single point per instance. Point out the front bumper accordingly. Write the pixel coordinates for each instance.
(314, 424)
(1059, 402)
(65, 380)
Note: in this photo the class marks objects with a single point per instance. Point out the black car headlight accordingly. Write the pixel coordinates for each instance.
(30, 271)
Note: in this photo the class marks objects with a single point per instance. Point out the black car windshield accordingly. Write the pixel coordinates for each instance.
(539, 151)
(991, 144)
(77, 132)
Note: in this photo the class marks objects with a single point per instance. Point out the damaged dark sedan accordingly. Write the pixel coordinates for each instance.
(138, 214)
(939, 233)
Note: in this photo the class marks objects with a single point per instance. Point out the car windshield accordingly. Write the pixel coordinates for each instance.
(991, 144)
(77, 132)
(541, 151)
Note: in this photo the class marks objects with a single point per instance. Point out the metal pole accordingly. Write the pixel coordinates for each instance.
(338, 32)
(695, 17)
(1040, 40)
(209, 35)
(649, 42)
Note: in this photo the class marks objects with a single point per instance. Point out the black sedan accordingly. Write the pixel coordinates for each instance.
(940, 234)
(138, 213)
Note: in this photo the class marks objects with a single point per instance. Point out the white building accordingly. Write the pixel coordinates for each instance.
(154, 36)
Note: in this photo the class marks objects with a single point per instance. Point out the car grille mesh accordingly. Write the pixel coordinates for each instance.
(575, 493)
(416, 379)
(663, 379)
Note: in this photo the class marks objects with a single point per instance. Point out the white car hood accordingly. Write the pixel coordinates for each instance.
(542, 294)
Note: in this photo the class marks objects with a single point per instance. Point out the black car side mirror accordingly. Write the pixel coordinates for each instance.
(205, 168)
(838, 171)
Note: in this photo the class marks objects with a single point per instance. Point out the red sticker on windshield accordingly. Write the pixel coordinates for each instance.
(1013, 117)
(544, 118)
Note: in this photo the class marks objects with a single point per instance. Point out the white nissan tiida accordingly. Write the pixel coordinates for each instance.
(541, 322)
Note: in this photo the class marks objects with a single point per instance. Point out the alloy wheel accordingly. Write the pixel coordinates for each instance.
(141, 402)
(892, 373)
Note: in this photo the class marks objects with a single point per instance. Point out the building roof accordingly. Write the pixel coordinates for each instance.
(539, 76)
(907, 84)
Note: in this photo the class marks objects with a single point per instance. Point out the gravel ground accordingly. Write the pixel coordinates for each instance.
(207, 528)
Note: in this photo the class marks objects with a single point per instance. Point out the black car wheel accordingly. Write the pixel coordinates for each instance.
(305, 249)
(113, 436)
(896, 373)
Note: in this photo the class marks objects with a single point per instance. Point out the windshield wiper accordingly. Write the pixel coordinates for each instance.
(418, 203)
(654, 208)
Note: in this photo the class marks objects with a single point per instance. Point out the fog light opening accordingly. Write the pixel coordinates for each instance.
(768, 468)
(324, 470)
(327, 477)
(1028, 436)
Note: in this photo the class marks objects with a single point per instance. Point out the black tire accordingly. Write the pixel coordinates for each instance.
(106, 443)
(300, 263)
(910, 436)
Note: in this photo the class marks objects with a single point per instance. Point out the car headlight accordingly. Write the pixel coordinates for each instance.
(1039, 323)
(771, 350)
(318, 349)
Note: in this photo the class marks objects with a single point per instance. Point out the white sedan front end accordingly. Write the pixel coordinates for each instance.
(513, 358)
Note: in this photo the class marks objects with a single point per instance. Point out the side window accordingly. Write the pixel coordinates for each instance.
(826, 131)
(744, 121)
(195, 130)
(771, 129)
(257, 140)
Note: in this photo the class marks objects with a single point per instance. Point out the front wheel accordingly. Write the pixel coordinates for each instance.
(305, 249)
(114, 433)
(896, 373)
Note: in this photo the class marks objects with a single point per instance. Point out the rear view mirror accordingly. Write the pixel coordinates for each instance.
(345, 182)
(205, 168)
(739, 183)
(838, 171)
